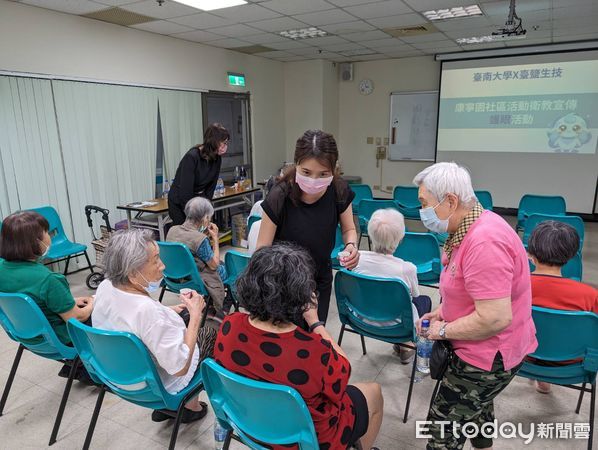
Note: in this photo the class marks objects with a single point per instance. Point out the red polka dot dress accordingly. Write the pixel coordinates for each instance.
(298, 359)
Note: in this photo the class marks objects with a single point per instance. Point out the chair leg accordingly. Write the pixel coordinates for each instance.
(209, 303)
(11, 377)
(369, 243)
(583, 389)
(89, 265)
(66, 266)
(410, 389)
(162, 294)
(94, 418)
(359, 241)
(65, 396)
(175, 428)
(227, 441)
(363, 344)
(340, 336)
(592, 408)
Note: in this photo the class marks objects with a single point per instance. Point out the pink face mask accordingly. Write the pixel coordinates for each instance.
(312, 185)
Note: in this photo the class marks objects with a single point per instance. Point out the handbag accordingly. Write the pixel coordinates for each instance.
(442, 353)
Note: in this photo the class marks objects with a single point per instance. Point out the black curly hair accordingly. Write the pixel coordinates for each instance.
(278, 284)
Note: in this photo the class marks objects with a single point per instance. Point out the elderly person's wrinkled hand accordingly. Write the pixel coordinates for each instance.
(433, 317)
(194, 302)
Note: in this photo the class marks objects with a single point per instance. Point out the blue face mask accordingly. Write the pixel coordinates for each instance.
(152, 286)
(431, 221)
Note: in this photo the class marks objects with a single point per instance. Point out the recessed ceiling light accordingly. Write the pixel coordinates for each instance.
(304, 33)
(209, 5)
(489, 38)
(453, 13)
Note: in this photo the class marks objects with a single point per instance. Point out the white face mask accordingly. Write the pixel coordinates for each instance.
(152, 286)
(45, 253)
(431, 221)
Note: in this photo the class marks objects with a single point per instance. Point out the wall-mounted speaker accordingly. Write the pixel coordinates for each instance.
(346, 71)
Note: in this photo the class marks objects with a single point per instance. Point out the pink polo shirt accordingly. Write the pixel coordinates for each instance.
(491, 263)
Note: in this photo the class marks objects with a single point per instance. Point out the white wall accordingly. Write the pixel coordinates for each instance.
(42, 41)
(361, 116)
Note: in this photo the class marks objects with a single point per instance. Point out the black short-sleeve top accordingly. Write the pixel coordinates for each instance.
(312, 226)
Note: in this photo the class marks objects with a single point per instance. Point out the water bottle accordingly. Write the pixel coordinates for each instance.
(219, 435)
(219, 188)
(166, 189)
(237, 174)
(424, 350)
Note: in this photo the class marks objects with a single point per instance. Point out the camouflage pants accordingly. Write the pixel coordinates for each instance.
(466, 394)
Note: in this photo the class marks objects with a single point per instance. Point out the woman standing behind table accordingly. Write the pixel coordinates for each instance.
(198, 172)
(306, 206)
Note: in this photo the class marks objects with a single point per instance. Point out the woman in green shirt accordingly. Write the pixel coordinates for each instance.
(24, 241)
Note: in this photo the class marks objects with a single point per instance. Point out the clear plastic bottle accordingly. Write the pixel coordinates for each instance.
(219, 191)
(219, 435)
(424, 350)
(165, 189)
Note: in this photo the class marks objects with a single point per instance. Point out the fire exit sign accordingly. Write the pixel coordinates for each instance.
(236, 79)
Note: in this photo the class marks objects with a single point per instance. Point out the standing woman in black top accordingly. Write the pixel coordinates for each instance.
(198, 172)
(306, 206)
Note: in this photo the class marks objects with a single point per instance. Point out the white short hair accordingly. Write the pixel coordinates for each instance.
(386, 230)
(445, 178)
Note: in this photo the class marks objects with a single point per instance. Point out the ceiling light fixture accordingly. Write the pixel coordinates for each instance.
(209, 5)
(453, 13)
(303, 33)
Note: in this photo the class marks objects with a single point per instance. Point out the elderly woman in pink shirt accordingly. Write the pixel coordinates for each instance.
(486, 305)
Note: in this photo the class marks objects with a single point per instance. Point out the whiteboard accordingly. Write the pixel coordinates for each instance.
(413, 123)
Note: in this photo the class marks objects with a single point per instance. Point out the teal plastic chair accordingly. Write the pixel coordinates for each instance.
(61, 248)
(23, 321)
(485, 198)
(563, 336)
(406, 198)
(539, 204)
(250, 221)
(235, 263)
(362, 191)
(119, 359)
(362, 300)
(423, 250)
(535, 219)
(258, 412)
(573, 269)
(366, 209)
(338, 247)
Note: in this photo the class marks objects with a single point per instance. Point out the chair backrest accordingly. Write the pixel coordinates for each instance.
(368, 207)
(120, 361)
(235, 263)
(421, 249)
(574, 268)
(406, 196)
(270, 413)
(56, 229)
(381, 300)
(535, 219)
(565, 335)
(540, 204)
(23, 321)
(181, 270)
(485, 198)
(250, 221)
(362, 191)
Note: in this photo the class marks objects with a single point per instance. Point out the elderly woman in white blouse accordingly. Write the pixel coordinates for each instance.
(133, 271)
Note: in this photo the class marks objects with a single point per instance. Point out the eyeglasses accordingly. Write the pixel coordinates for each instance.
(225, 142)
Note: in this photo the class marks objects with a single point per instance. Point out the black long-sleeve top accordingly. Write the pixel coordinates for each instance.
(195, 176)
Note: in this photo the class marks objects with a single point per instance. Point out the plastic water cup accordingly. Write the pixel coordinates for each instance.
(186, 292)
(342, 256)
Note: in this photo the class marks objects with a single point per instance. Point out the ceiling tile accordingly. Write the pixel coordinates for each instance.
(354, 26)
(403, 53)
(473, 47)
(469, 32)
(426, 5)
(229, 43)
(401, 20)
(573, 13)
(290, 59)
(202, 21)
(168, 10)
(576, 37)
(264, 38)
(325, 17)
(326, 40)
(246, 13)
(381, 43)
(343, 47)
(275, 54)
(114, 2)
(366, 36)
(198, 36)
(438, 51)
(343, 3)
(369, 57)
(291, 7)
(379, 9)
(311, 51)
(280, 24)
(235, 30)
(522, 7)
(424, 37)
(67, 6)
(162, 27)
(523, 42)
(433, 45)
(460, 24)
(528, 18)
(289, 44)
